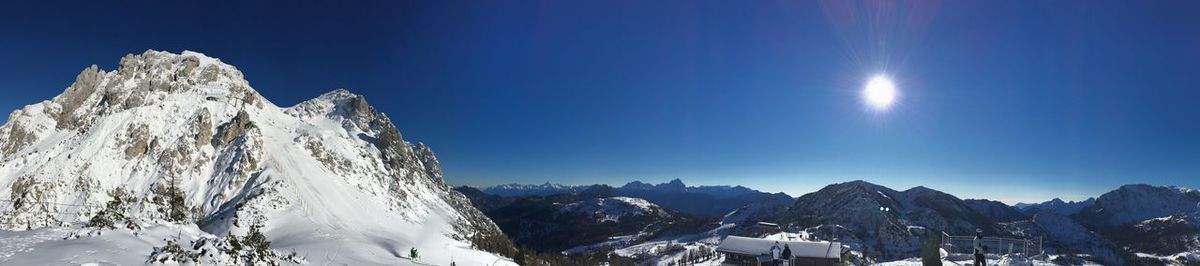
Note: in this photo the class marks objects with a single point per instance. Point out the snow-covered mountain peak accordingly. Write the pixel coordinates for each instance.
(142, 84)
(337, 104)
(188, 68)
(340, 96)
(882, 215)
(1133, 203)
(332, 165)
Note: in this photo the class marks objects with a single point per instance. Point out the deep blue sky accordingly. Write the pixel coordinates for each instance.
(1010, 100)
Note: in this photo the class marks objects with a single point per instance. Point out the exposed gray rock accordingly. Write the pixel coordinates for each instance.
(395, 150)
(189, 63)
(202, 125)
(84, 87)
(178, 158)
(21, 190)
(228, 183)
(139, 139)
(249, 98)
(232, 129)
(136, 98)
(358, 108)
(209, 74)
(327, 158)
(429, 162)
(17, 138)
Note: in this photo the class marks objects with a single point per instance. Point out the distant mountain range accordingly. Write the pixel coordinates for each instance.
(1055, 205)
(700, 201)
(517, 190)
(595, 216)
(546, 217)
(997, 211)
(1134, 224)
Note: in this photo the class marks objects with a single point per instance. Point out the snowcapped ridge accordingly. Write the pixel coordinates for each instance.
(332, 166)
(545, 189)
(612, 208)
(883, 222)
(1138, 202)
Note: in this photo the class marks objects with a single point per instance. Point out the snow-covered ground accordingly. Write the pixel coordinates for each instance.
(1190, 257)
(56, 246)
(992, 259)
(330, 178)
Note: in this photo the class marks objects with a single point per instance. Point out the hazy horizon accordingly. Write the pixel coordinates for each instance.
(797, 193)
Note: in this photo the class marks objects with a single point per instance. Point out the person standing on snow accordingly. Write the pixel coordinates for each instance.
(775, 253)
(787, 254)
(979, 259)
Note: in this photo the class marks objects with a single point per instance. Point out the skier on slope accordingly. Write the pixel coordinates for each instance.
(979, 259)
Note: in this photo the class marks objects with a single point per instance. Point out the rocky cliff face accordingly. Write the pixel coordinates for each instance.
(330, 168)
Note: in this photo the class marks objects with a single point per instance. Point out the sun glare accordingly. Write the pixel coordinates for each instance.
(879, 93)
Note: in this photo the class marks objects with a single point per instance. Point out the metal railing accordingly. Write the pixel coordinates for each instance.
(992, 245)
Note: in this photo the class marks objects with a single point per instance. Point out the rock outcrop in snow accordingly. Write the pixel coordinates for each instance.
(326, 175)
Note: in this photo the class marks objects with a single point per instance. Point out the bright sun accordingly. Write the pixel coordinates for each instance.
(879, 93)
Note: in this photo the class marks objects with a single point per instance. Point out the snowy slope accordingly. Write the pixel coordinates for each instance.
(1156, 222)
(612, 208)
(330, 178)
(1134, 203)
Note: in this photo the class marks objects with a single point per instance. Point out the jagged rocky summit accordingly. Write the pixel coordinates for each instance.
(330, 178)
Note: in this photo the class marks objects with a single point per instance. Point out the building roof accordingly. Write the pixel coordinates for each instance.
(768, 224)
(759, 246)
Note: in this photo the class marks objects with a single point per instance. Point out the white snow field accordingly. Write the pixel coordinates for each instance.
(611, 209)
(992, 259)
(330, 179)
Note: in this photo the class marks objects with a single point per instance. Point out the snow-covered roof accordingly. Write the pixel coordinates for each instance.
(759, 246)
(768, 224)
